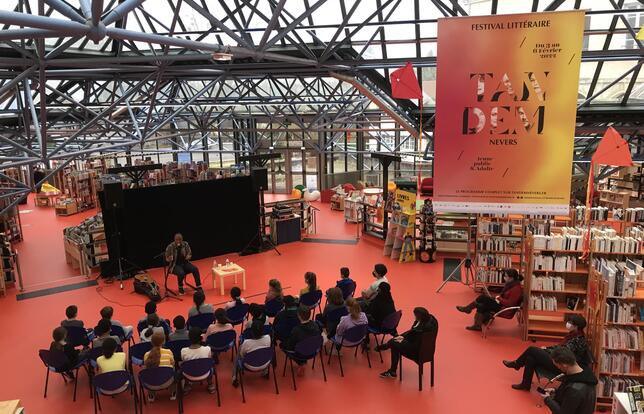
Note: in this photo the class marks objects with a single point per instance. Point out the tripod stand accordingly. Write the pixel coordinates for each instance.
(265, 242)
(167, 292)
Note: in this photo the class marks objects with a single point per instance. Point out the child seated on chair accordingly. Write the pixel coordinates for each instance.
(196, 351)
(154, 326)
(235, 295)
(160, 357)
(310, 279)
(108, 312)
(345, 281)
(220, 324)
(307, 328)
(180, 332)
(486, 306)
(257, 340)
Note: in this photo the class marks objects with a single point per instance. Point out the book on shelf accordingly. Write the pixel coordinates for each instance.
(636, 398)
(617, 362)
(543, 303)
(494, 260)
(621, 278)
(572, 302)
(562, 263)
(620, 312)
(490, 275)
(488, 243)
(558, 242)
(623, 338)
(498, 228)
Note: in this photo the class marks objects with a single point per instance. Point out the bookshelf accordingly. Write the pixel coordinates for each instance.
(400, 225)
(499, 245)
(556, 282)
(453, 232)
(619, 329)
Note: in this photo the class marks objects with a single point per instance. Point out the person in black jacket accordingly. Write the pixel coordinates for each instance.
(286, 319)
(381, 306)
(408, 344)
(576, 394)
(306, 329)
(533, 357)
(59, 343)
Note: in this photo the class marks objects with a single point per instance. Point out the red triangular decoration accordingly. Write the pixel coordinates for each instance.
(613, 150)
(404, 84)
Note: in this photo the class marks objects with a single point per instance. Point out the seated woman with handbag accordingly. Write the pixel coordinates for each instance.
(534, 358)
(486, 306)
(408, 344)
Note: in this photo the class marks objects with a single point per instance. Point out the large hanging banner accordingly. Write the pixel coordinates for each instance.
(505, 119)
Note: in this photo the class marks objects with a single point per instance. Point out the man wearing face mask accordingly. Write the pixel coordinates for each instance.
(576, 394)
(533, 357)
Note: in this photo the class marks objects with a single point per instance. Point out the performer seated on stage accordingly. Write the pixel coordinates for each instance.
(178, 255)
(486, 306)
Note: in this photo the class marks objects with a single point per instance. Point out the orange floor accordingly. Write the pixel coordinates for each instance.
(469, 374)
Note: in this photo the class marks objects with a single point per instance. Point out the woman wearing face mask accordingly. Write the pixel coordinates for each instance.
(534, 357)
(486, 306)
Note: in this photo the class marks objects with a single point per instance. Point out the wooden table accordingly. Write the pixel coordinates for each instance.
(227, 270)
(43, 199)
(10, 407)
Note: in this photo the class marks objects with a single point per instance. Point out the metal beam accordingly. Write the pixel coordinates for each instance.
(120, 11)
(66, 10)
(64, 27)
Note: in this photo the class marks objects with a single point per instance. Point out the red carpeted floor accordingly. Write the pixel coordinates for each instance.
(469, 375)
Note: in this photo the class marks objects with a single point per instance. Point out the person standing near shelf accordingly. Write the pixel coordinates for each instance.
(485, 305)
(178, 255)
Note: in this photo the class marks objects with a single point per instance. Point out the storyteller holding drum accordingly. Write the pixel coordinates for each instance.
(178, 255)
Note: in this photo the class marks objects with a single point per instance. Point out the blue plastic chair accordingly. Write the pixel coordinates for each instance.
(136, 353)
(109, 383)
(77, 336)
(222, 342)
(237, 314)
(120, 332)
(57, 362)
(273, 307)
(202, 369)
(312, 300)
(202, 321)
(352, 338)
(257, 358)
(307, 349)
(389, 327)
(176, 347)
(152, 378)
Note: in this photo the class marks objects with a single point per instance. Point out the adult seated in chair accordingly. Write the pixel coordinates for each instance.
(576, 394)
(178, 255)
(486, 306)
(540, 358)
(408, 343)
(305, 329)
(380, 274)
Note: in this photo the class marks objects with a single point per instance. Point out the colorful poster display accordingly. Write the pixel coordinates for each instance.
(505, 119)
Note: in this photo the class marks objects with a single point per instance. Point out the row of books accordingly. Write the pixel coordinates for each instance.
(548, 283)
(621, 338)
(632, 215)
(498, 244)
(596, 213)
(635, 232)
(558, 242)
(621, 312)
(494, 260)
(490, 276)
(617, 362)
(500, 228)
(621, 276)
(616, 245)
(564, 263)
(609, 385)
(543, 302)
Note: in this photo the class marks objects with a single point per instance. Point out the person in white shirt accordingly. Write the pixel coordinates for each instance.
(235, 295)
(196, 351)
(153, 327)
(257, 341)
(379, 272)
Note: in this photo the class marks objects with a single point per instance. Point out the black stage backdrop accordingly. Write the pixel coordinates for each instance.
(215, 217)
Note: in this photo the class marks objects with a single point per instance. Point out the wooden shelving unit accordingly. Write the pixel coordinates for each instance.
(556, 286)
(499, 245)
(453, 232)
(619, 323)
